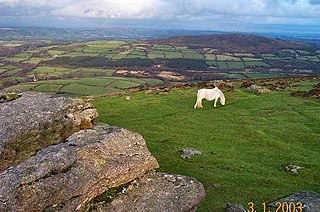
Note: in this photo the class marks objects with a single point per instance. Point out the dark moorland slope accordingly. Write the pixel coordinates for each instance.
(233, 42)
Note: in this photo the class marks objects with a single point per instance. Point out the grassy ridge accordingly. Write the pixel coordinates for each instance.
(243, 144)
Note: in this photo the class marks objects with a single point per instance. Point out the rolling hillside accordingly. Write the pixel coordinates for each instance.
(233, 42)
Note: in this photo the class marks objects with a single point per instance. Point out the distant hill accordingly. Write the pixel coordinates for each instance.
(233, 42)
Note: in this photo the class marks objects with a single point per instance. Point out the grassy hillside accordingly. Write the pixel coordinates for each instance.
(244, 143)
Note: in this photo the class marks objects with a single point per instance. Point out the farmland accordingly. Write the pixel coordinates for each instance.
(26, 63)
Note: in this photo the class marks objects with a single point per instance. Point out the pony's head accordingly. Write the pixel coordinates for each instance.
(222, 99)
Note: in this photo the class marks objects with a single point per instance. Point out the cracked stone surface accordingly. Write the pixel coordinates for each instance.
(310, 200)
(189, 152)
(37, 120)
(158, 192)
(71, 173)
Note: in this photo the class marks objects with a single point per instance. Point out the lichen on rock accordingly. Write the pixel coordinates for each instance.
(37, 120)
(71, 173)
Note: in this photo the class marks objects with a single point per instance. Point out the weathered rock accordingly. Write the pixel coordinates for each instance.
(310, 200)
(313, 93)
(158, 192)
(69, 174)
(235, 208)
(257, 89)
(37, 120)
(291, 168)
(188, 152)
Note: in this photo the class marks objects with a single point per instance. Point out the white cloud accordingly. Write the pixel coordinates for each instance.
(250, 11)
(120, 9)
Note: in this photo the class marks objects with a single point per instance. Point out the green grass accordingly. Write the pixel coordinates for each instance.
(243, 54)
(243, 143)
(22, 87)
(170, 55)
(250, 59)
(11, 72)
(222, 57)
(256, 64)
(48, 87)
(236, 65)
(55, 52)
(210, 56)
(8, 67)
(85, 86)
(2, 70)
(222, 64)
(36, 60)
(192, 55)
(81, 89)
(261, 75)
(212, 63)
(15, 59)
(235, 75)
(156, 54)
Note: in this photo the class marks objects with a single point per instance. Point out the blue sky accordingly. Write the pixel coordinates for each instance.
(225, 15)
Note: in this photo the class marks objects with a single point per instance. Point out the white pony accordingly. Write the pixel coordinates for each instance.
(209, 94)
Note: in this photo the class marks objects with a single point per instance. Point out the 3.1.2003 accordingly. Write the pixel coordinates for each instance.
(280, 207)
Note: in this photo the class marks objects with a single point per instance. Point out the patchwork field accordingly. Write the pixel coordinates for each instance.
(244, 144)
(85, 86)
(96, 59)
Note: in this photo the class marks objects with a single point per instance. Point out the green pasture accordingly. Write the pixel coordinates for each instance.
(2, 70)
(255, 64)
(85, 86)
(250, 59)
(211, 63)
(234, 75)
(36, 60)
(55, 52)
(192, 55)
(222, 57)
(15, 59)
(170, 55)
(244, 144)
(156, 54)
(235, 65)
(243, 54)
(222, 64)
(44, 71)
(79, 54)
(261, 75)
(8, 67)
(210, 57)
(210, 50)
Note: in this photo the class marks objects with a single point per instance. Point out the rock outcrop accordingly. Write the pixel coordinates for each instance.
(71, 173)
(55, 159)
(158, 192)
(258, 89)
(310, 200)
(37, 120)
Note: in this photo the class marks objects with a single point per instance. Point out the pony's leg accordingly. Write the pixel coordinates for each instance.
(215, 102)
(198, 104)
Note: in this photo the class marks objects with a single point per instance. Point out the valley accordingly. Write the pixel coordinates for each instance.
(99, 66)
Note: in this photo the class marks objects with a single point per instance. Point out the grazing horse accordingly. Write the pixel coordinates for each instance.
(209, 94)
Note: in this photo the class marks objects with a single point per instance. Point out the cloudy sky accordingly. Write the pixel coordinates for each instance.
(226, 15)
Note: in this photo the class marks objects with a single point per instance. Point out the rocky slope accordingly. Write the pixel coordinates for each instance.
(56, 159)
